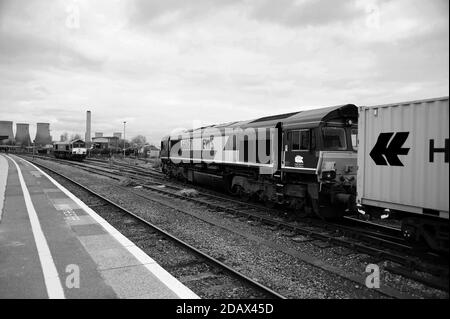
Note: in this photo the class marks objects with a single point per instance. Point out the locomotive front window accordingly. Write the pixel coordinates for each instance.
(334, 138)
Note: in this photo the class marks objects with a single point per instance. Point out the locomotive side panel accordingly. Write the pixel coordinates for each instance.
(247, 148)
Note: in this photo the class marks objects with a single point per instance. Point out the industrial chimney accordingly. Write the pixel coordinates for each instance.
(43, 134)
(87, 138)
(6, 132)
(23, 134)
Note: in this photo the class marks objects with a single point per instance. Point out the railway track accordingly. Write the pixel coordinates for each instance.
(372, 229)
(375, 244)
(197, 265)
(148, 171)
(210, 199)
(370, 241)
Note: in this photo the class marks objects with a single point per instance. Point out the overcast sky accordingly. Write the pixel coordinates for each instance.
(161, 65)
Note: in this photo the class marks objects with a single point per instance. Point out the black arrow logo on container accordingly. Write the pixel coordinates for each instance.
(390, 151)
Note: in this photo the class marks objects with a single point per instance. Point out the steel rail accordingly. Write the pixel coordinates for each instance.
(368, 237)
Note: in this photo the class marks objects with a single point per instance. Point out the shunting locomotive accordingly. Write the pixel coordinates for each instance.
(75, 149)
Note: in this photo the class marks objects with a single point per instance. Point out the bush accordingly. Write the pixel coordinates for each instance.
(156, 163)
(128, 182)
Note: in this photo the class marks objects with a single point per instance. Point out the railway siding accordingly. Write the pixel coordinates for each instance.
(288, 252)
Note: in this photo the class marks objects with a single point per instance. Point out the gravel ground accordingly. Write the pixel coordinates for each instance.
(255, 249)
(204, 279)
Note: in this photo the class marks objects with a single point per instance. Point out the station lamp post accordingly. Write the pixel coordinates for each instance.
(34, 147)
(124, 122)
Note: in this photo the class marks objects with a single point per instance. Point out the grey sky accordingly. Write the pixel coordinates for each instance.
(162, 65)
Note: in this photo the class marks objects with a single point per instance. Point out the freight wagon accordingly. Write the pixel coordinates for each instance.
(403, 156)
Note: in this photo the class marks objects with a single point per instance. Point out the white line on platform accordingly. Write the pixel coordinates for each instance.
(163, 275)
(3, 179)
(51, 277)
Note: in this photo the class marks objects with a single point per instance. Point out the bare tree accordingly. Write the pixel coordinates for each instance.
(139, 140)
(75, 137)
(64, 137)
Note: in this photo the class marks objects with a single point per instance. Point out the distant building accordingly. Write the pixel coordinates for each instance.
(43, 137)
(98, 134)
(118, 135)
(23, 134)
(106, 142)
(6, 133)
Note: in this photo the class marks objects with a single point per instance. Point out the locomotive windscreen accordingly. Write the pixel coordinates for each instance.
(334, 138)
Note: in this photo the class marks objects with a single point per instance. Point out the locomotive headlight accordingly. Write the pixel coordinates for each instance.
(329, 175)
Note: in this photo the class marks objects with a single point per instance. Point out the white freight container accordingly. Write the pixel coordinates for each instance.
(403, 155)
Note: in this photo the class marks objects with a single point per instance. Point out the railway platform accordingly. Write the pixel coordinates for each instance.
(54, 246)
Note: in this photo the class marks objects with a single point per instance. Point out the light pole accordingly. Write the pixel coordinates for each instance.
(124, 122)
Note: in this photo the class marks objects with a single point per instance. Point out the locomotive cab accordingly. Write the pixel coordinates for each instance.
(319, 153)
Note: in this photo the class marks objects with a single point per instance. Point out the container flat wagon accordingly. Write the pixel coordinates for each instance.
(403, 156)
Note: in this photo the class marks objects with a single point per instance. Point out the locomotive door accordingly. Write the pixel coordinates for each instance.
(299, 146)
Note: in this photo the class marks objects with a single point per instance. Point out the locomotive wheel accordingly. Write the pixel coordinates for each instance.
(246, 197)
(242, 193)
(298, 206)
(268, 203)
(324, 212)
(409, 233)
(234, 190)
(181, 177)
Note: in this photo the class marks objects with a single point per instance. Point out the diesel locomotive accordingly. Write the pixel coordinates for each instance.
(73, 150)
(306, 160)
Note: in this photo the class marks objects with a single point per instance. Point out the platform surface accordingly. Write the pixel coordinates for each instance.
(53, 246)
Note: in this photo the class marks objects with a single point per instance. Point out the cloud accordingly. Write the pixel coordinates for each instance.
(163, 64)
(170, 13)
(306, 12)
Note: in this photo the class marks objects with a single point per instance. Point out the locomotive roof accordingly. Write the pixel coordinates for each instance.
(70, 142)
(324, 114)
(309, 117)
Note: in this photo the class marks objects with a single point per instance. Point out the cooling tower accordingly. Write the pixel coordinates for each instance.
(23, 134)
(43, 134)
(6, 130)
(88, 127)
